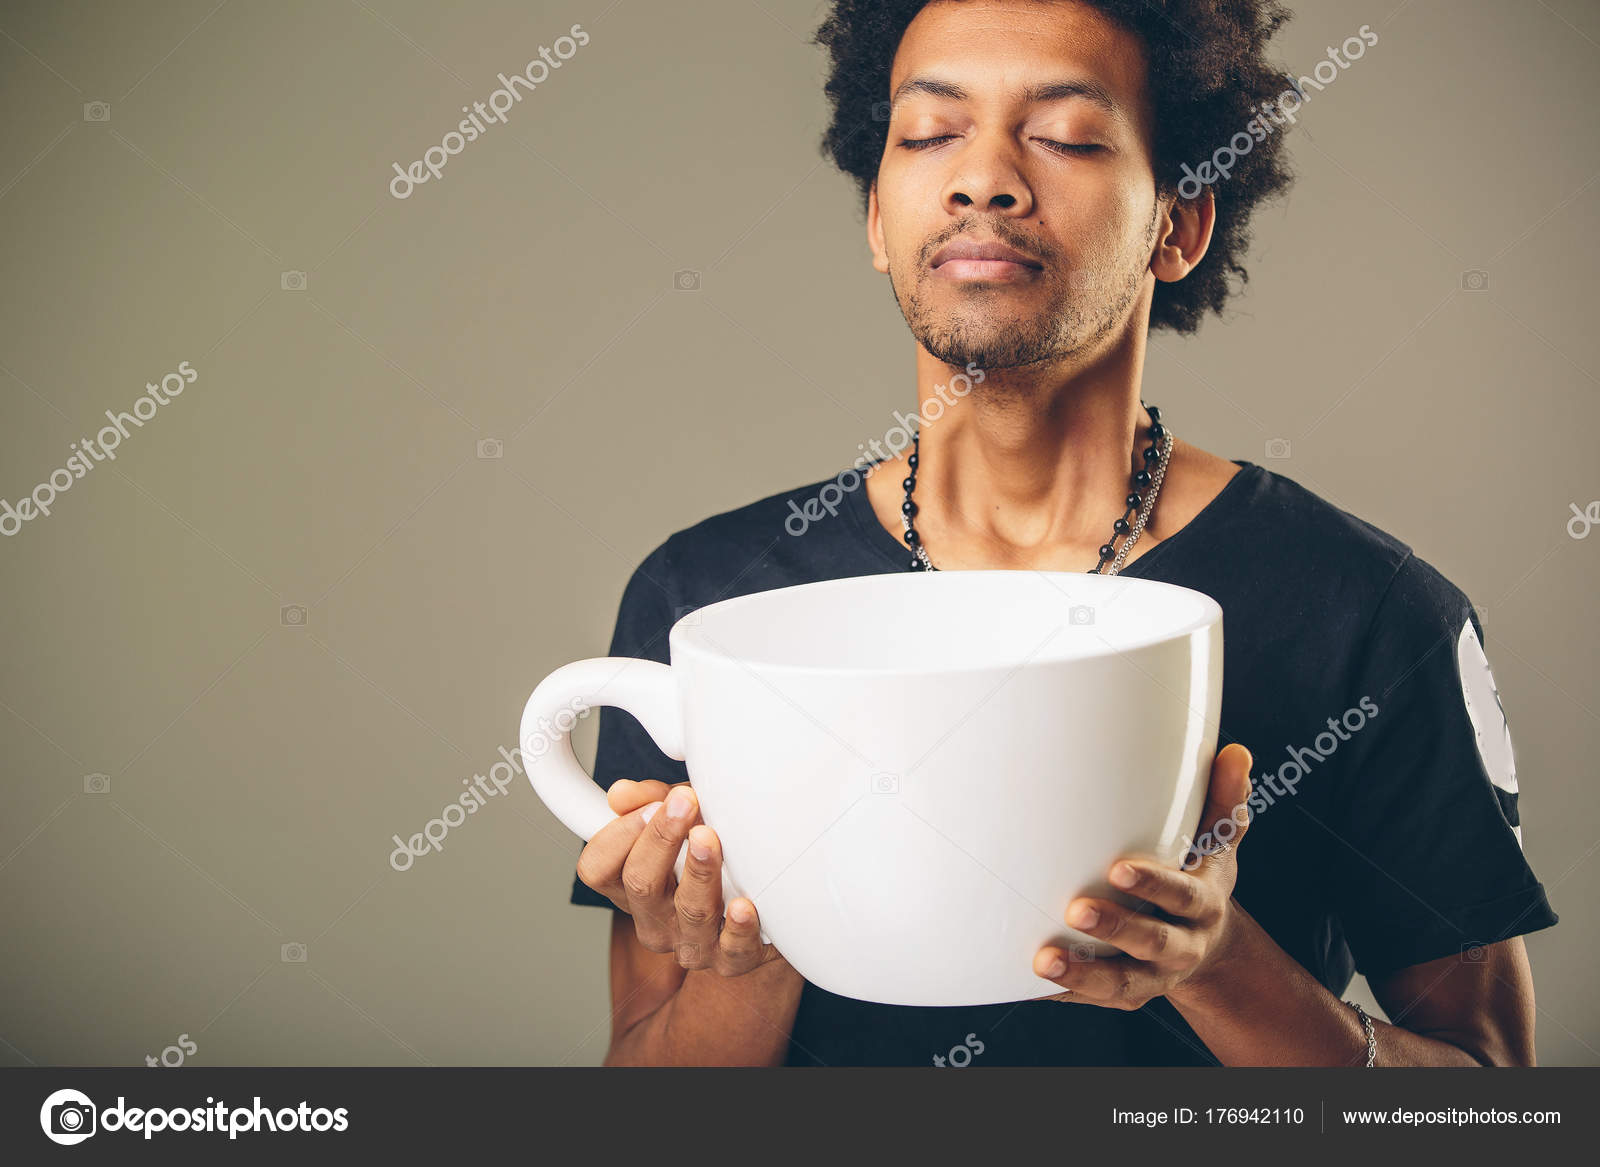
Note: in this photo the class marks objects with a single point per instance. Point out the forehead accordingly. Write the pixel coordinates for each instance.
(1000, 50)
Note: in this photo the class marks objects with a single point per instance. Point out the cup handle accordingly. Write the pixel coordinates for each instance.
(648, 690)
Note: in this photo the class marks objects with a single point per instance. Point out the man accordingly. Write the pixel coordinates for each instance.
(1022, 165)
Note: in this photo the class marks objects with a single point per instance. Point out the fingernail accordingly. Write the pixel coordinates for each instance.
(1124, 876)
(650, 811)
(1083, 916)
(739, 912)
(678, 804)
(1057, 967)
(697, 848)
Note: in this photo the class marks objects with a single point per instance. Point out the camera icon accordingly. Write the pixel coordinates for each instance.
(1474, 953)
(1277, 447)
(97, 111)
(686, 280)
(1081, 951)
(885, 783)
(880, 111)
(1080, 614)
(293, 281)
(689, 955)
(292, 953)
(491, 448)
(292, 616)
(97, 784)
(1475, 280)
(70, 1121)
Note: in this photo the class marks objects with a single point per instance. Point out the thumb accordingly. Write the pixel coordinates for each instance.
(1227, 795)
(626, 795)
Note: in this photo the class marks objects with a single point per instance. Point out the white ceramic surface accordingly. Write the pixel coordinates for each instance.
(913, 774)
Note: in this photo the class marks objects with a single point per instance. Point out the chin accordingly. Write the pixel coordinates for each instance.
(985, 344)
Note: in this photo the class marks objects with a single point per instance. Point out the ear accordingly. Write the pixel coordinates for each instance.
(880, 254)
(1183, 234)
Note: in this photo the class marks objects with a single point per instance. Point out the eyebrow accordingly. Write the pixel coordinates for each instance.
(1033, 94)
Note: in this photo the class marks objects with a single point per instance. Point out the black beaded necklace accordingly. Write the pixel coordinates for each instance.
(1154, 470)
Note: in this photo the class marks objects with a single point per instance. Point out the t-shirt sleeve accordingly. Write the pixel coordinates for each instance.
(624, 748)
(1427, 856)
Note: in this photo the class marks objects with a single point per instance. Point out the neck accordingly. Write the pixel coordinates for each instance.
(1031, 467)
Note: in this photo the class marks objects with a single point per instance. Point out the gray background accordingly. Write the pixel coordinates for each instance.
(327, 458)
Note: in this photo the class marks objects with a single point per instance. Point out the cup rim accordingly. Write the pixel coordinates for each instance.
(684, 636)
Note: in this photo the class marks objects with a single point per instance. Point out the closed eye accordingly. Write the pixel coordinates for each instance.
(1069, 147)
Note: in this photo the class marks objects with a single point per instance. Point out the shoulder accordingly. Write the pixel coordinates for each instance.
(1303, 578)
(756, 545)
(765, 524)
(766, 518)
(1421, 611)
(1240, 502)
(1401, 601)
(1293, 525)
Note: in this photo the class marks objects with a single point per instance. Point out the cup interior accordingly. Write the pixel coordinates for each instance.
(938, 621)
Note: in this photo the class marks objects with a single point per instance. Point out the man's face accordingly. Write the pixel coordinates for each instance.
(992, 139)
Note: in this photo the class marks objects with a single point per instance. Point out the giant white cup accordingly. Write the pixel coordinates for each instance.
(913, 774)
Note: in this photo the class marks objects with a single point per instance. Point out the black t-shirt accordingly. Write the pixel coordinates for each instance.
(1385, 829)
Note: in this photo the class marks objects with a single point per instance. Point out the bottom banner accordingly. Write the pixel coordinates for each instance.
(327, 1114)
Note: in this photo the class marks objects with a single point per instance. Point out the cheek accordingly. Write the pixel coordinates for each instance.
(898, 182)
(903, 207)
(1097, 202)
(1106, 239)
(1085, 207)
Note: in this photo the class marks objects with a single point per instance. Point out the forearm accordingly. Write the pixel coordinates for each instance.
(714, 1020)
(1260, 1007)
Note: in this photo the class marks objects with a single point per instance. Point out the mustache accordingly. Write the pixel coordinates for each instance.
(1004, 233)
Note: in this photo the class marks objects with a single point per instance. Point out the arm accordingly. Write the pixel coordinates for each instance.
(1250, 1002)
(1258, 1006)
(1424, 801)
(1436, 766)
(688, 985)
(665, 1015)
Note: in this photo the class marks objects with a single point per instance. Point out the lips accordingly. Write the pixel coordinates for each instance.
(972, 249)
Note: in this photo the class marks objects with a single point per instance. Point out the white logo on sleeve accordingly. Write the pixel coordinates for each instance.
(1488, 716)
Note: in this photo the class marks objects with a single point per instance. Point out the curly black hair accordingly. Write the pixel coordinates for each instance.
(1207, 74)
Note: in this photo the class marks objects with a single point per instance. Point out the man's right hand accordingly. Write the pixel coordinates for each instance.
(630, 862)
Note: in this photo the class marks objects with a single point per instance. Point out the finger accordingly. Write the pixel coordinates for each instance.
(628, 795)
(1227, 796)
(740, 948)
(1116, 982)
(1141, 936)
(699, 900)
(601, 861)
(648, 876)
(1178, 893)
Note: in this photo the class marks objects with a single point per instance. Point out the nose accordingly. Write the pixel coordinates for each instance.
(987, 176)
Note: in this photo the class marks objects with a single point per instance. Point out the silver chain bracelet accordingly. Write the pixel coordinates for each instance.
(1372, 1034)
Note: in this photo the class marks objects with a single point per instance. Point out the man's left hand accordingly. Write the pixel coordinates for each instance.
(1188, 937)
